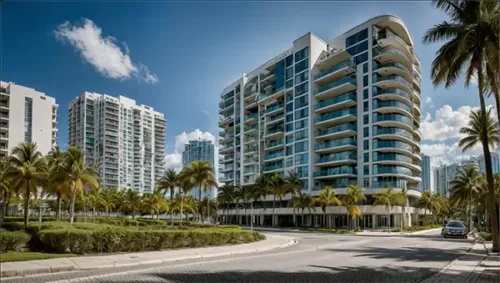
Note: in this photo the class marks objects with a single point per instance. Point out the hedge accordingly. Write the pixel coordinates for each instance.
(7, 219)
(485, 236)
(10, 241)
(126, 240)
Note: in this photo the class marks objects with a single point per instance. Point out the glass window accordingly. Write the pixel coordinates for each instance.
(366, 106)
(300, 89)
(365, 94)
(357, 37)
(301, 159)
(361, 58)
(289, 60)
(301, 66)
(365, 68)
(289, 139)
(366, 132)
(301, 102)
(301, 124)
(301, 146)
(366, 145)
(289, 97)
(289, 73)
(289, 150)
(289, 117)
(289, 127)
(366, 157)
(289, 83)
(299, 55)
(366, 169)
(302, 134)
(366, 182)
(302, 77)
(366, 119)
(303, 172)
(289, 162)
(365, 80)
(299, 114)
(356, 49)
(289, 107)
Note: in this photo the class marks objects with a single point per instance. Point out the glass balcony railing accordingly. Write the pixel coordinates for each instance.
(251, 148)
(392, 131)
(251, 116)
(275, 143)
(387, 33)
(391, 103)
(336, 129)
(335, 143)
(379, 91)
(392, 144)
(392, 157)
(342, 170)
(263, 96)
(397, 78)
(274, 155)
(225, 148)
(348, 155)
(274, 107)
(274, 131)
(391, 169)
(275, 166)
(337, 183)
(393, 117)
(338, 99)
(389, 64)
(250, 160)
(252, 127)
(336, 114)
(346, 63)
(349, 79)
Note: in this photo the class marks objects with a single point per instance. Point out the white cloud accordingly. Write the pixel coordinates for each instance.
(442, 153)
(428, 102)
(174, 160)
(446, 123)
(102, 52)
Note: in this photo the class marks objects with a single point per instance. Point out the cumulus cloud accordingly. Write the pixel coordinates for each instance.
(174, 160)
(102, 52)
(428, 102)
(446, 123)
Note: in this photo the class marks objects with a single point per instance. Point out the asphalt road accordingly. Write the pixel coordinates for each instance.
(317, 257)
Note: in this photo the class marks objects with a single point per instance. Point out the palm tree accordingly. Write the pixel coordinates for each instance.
(293, 182)
(247, 194)
(464, 188)
(5, 187)
(273, 186)
(202, 175)
(157, 203)
(472, 37)
(327, 197)
(132, 202)
(353, 195)
(388, 198)
(430, 202)
(403, 194)
(55, 159)
(225, 197)
(186, 186)
(73, 171)
(301, 201)
(109, 200)
(29, 171)
(169, 182)
(95, 199)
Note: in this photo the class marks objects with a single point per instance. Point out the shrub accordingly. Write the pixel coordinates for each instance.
(10, 241)
(8, 219)
(13, 226)
(485, 236)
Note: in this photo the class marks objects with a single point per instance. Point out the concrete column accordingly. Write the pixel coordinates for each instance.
(374, 221)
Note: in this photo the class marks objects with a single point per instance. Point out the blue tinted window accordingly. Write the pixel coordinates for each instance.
(289, 61)
(289, 150)
(356, 49)
(365, 119)
(301, 124)
(365, 80)
(366, 169)
(289, 139)
(366, 144)
(355, 38)
(289, 117)
(361, 58)
(289, 107)
(301, 146)
(303, 172)
(289, 83)
(300, 89)
(301, 77)
(301, 102)
(299, 114)
(365, 68)
(365, 94)
(299, 55)
(289, 73)
(366, 132)
(301, 159)
(289, 127)
(301, 66)
(300, 135)
(366, 106)
(366, 157)
(280, 75)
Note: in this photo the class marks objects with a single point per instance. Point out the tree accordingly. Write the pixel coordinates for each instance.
(327, 197)
(132, 202)
(169, 182)
(353, 195)
(109, 200)
(29, 171)
(186, 186)
(472, 37)
(248, 194)
(388, 198)
(293, 182)
(60, 189)
(302, 201)
(156, 203)
(225, 197)
(5, 187)
(464, 188)
(403, 194)
(429, 202)
(202, 175)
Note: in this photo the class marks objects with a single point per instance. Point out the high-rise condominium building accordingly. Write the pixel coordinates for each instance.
(26, 115)
(339, 113)
(443, 175)
(196, 150)
(124, 141)
(425, 164)
(495, 163)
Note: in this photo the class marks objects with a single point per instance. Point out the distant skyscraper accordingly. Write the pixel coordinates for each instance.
(425, 164)
(495, 163)
(443, 175)
(197, 150)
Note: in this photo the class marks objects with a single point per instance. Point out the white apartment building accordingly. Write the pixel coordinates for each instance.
(26, 115)
(338, 113)
(124, 141)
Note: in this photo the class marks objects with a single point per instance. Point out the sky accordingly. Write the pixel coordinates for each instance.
(178, 57)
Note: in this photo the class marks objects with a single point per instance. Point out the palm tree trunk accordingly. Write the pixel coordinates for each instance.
(7, 203)
(208, 209)
(488, 165)
(93, 212)
(199, 201)
(302, 220)
(274, 203)
(470, 213)
(403, 216)
(294, 218)
(182, 202)
(324, 219)
(40, 211)
(72, 206)
(27, 204)
(133, 214)
(58, 212)
(171, 205)
(251, 215)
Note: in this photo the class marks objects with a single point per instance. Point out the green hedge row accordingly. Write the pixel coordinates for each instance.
(485, 236)
(126, 240)
(11, 241)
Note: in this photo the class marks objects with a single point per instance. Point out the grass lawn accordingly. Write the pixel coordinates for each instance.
(23, 256)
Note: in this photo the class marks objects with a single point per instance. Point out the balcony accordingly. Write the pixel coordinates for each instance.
(392, 170)
(251, 140)
(227, 168)
(393, 134)
(251, 160)
(393, 94)
(4, 138)
(393, 146)
(387, 37)
(396, 159)
(268, 78)
(330, 90)
(393, 81)
(336, 103)
(226, 149)
(277, 166)
(4, 117)
(344, 144)
(335, 72)
(251, 171)
(227, 159)
(4, 128)
(274, 133)
(251, 150)
(275, 119)
(274, 109)
(274, 156)
(225, 107)
(251, 118)
(391, 106)
(391, 54)
(346, 157)
(265, 98)
(336, 172)
(337, 117)
(250, 96)
(337, 132)
(332, 58)
(225, 121)
(393, 120)
(226, 179)
(250, 105)
(392, 68)
(251, 129)
(275, 144)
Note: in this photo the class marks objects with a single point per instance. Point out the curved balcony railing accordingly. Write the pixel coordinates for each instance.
(349, 79)
(379, 91)
(338, 99)
(337, 183)
(251, 148)
(377, 66)
(377, 51)
(392, 157)
(336, 129)
(386, 33)
(346, 63)
(392, 117)
(335, 143)
(336, 114)
(342, 170)
(348, 155)
(391, 169)
(392, 131)
(251, 116)
(391, 103)
(395, 183)
(392, 144)
(378, 78)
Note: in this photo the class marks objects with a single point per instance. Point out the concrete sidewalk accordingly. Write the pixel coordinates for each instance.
(398, 234)
(473, 267)
(9, 269)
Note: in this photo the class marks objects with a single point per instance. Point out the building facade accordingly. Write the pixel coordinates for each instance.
(26, 115)
(425, 164)
(495, 163)
(124, 141)
(196, 150)
(338, 113)
(443, 175)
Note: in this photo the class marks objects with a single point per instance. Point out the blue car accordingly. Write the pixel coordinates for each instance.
(454, 229)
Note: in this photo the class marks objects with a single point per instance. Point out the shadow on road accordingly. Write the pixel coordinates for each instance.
(315, 273)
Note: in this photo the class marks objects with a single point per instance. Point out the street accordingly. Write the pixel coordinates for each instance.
(317, 257)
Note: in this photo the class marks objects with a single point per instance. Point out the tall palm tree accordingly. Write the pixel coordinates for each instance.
(132, 202)
(169, 182)
(185, 187)
(29, 171)
(95, 200)
(109, 200)
(157, 203)
(471, 37)
(403, 194)
(276, 187)
(76, 175)
(302, 201)
(226, 196)
(248, 194)
(293, 182)
(5, 187)
(60, 189)
(202, 174)
(353, 195)
(327, 197)
(388, 198)
(464, 188)
(430, 202)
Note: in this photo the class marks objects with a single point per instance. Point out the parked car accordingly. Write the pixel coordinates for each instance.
(455, 228)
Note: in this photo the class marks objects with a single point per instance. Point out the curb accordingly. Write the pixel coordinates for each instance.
(40, 268)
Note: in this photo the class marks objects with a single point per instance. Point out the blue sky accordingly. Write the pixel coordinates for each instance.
(195, 49)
